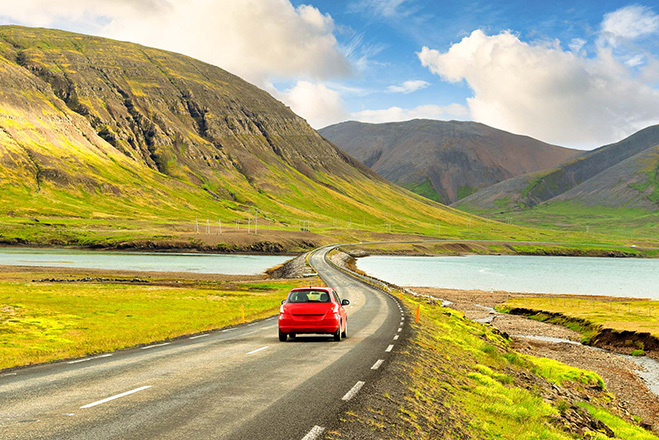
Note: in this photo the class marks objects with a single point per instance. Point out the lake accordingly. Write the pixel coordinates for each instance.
(627, 277)
(141, 261)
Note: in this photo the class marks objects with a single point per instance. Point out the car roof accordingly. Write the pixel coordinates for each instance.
(326, 289)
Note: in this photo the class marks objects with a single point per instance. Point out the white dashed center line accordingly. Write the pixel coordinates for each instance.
(377, 364)
(157, 345)
(199, 336)
(389, 348)
(353, 391)
(314, 433)
(89, 359)
(258, 349)
(89, 405)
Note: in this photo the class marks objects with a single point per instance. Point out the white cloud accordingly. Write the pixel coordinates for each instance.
(394, 114)
(408, 86)
(629, 23)
(318, 104)
(385, 8)
(577, 46)
(545, 92)
(256, 39)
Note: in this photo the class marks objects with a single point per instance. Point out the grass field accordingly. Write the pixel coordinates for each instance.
(462, 380)
(619, 315)
(42, 322)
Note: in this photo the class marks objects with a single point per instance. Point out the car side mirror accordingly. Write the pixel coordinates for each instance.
(345, 302)
(283, 301)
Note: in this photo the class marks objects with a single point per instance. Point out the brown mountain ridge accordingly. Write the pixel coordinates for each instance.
(444, 160)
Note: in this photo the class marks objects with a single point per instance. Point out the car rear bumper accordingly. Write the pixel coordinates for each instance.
(292, 325)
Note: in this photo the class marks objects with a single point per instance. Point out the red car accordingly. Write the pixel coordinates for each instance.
(313, 310)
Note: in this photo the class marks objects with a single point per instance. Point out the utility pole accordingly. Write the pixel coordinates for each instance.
(196, 225)
(219, 224)
(208, 226)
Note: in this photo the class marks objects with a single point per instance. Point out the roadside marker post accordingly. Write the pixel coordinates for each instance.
(242, 313)
(418, 311)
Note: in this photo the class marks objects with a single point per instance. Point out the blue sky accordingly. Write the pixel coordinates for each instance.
(580, 74)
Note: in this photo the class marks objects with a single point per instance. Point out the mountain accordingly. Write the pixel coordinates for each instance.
(444, 161)
(95, 129)
(620, 175)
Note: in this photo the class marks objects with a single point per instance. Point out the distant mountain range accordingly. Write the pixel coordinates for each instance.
(96, 128)
(444, 161)
(620, 175)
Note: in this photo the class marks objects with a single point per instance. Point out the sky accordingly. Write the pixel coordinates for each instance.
(576, 73)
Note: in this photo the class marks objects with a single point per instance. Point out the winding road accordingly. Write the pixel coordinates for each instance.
(238, 383)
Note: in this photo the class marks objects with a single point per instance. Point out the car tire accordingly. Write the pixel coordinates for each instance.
(282, 336)
(337, 333)
(345, 331)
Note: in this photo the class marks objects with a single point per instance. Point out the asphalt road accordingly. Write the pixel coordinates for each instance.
(239, 383)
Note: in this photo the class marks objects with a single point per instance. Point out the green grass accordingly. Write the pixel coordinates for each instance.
(426, 190)
(465, 381)
(42, 322)
(634, 316)
(593, 223)
(622, 429)
(559, 373)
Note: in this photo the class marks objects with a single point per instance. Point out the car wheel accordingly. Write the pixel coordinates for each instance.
(282, 336)
(337, 334)
(345, 331)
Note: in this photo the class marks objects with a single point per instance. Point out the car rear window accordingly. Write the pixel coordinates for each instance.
(307, 296)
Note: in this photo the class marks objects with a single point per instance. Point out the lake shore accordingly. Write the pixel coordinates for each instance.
(558, 343)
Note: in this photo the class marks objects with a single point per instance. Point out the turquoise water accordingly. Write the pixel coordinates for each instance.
(627, 277)
(141, 261)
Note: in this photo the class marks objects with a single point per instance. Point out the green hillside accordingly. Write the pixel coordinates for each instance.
(102, 142)
(612, 190)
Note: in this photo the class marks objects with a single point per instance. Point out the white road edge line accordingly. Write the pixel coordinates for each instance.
(314, 433)
(389, 348)
(395, 337)
(258, 349)
(199, 336)
(228, 330)
(253, 323)
(89, 359)
(157, 345)
(89, 405)
(377, 364)
(9, 374)
(400, 329)
(354, 390)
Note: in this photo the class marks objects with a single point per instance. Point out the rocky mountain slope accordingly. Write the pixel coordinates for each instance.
(620, 175)
(445, 161)
(92, 128)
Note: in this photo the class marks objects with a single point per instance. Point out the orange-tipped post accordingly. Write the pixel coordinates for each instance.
(418, 311)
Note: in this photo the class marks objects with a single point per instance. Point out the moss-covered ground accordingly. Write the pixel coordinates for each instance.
(47, 321)
(461, 379)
